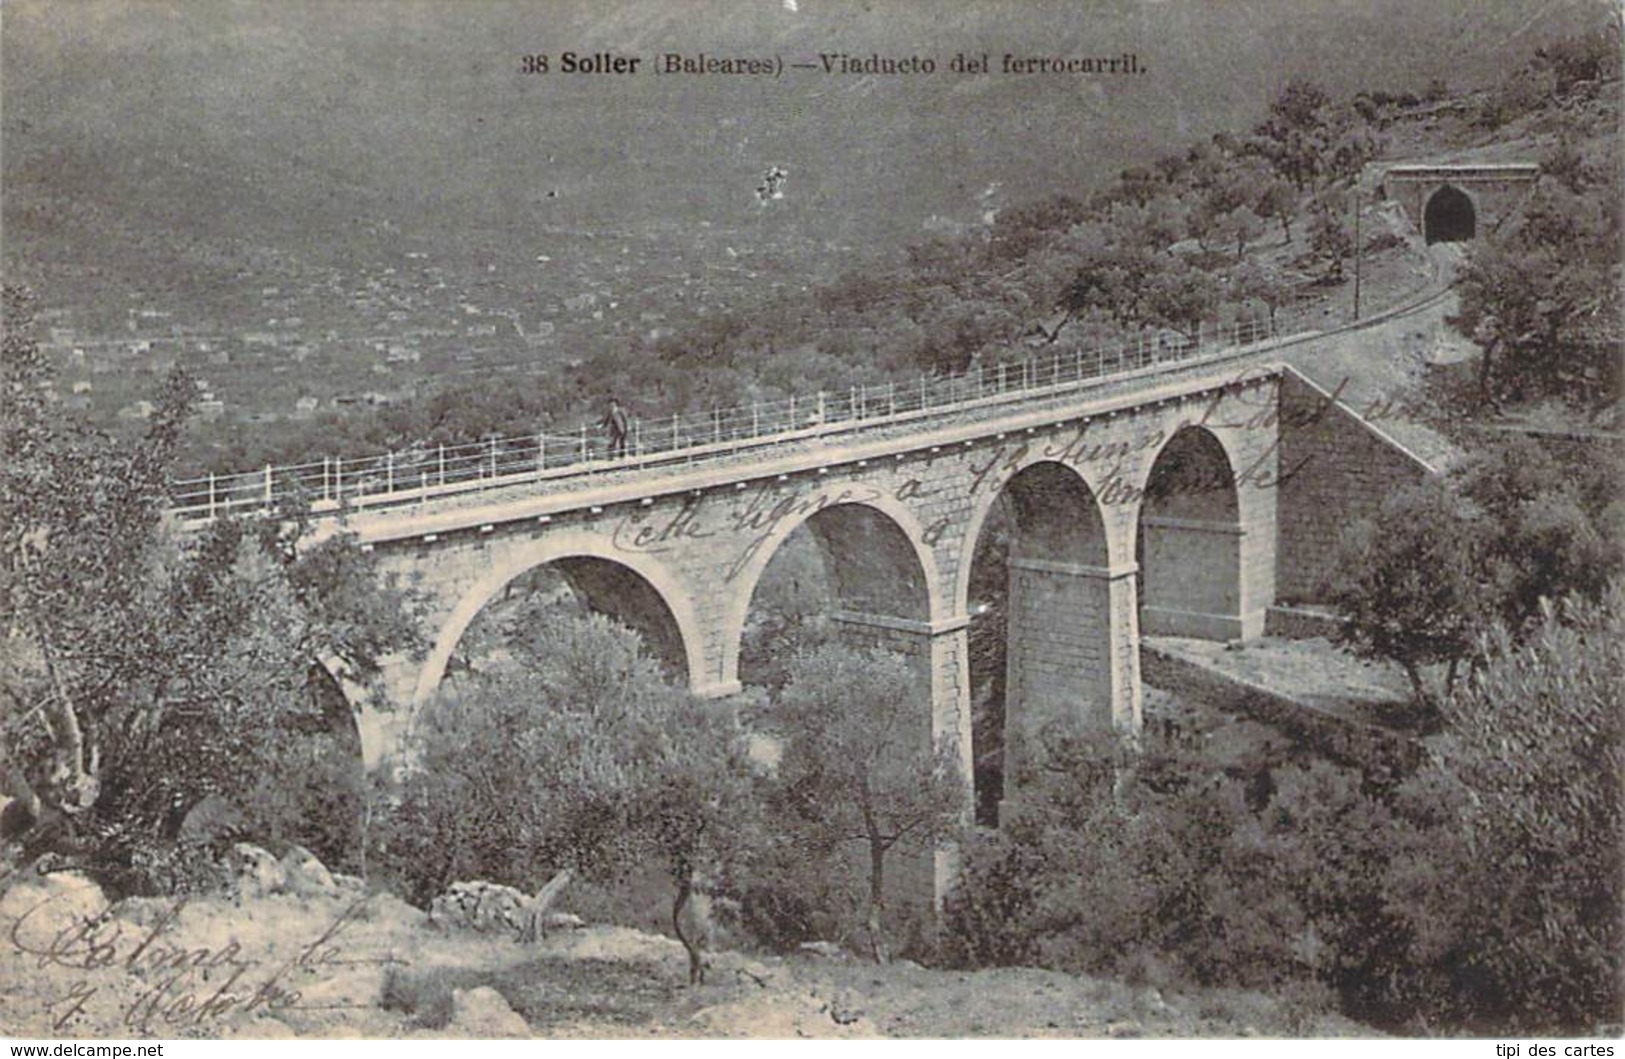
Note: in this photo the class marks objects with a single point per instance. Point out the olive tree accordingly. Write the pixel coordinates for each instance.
(860, 764)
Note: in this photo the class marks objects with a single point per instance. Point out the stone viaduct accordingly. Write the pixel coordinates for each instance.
(1176, 503)
(1453, 203)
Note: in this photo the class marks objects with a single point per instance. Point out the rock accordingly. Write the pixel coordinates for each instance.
(754, 971)
(306, 875)
(844, 1009)
(826, 949)
(386, 908)
(353, 883)
(1151, 1002)
(255, 872)
(481, 906)
(563, 921)
(1124, 1029)
(482, 1012)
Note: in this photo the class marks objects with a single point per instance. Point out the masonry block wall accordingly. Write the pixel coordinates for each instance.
(897, 517)
(1192, 582)
(1058, 661)
(1339, 469)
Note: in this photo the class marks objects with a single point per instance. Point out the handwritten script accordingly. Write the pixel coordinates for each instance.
(1241, 405)
(178, 987)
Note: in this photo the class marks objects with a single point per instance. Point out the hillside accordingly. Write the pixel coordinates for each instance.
(357, 200)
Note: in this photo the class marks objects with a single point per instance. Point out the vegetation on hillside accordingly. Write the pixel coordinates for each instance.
(1423, 582)
(1480, 894)
(145, 671)
(1157, 255)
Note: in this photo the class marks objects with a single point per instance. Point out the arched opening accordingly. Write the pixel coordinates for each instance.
(1188, 543)
(847, 573)
(504, 622)
(852, 575)
(1039, 603)
(1448, 216)
(338, 717)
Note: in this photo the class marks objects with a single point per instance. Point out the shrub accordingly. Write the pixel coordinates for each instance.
(1515, 905)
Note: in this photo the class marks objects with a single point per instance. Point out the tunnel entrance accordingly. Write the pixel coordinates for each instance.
(1448, 216)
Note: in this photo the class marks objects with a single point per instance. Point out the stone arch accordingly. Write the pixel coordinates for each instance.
(1449, 216)
(585, 552)
(1188, 540)
(982, 508)
(867, 537)
(1057, 617)
(338, 698)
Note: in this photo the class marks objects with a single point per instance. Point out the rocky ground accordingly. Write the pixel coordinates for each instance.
(299, 953)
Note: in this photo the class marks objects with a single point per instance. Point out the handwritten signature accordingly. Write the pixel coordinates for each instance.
(176, 992)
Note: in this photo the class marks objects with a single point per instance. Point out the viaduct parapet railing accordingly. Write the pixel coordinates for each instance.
(421, 473)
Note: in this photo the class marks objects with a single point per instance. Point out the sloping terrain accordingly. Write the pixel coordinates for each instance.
(324, 960)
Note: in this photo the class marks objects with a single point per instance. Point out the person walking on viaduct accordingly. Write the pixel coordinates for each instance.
(615, 422)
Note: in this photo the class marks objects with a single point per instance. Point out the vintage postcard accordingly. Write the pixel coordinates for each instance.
(810, 519)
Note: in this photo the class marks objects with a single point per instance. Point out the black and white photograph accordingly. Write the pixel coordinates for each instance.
(661, 520)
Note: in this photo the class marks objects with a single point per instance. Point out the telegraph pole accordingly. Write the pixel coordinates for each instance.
(1357, 249)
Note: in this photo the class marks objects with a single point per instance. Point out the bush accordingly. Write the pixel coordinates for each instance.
(1482, 893)
(425, 996)
(1515, 905)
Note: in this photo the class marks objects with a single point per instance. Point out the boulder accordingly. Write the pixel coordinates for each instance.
(254, 871)
(350, 883)
(483, 1012)
(306, 875)
(480, 906)
(563, 921)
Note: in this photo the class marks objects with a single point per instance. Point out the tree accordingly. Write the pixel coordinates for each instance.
(859, 763)
(1295, 135)
(1549, 524)
(1514, 902)
(144, 668)
(1254, 280)
(693, 804)
(1441, 563)
(1241, 225)
(1179, 295)
(1410, 583)
(1276, 199)
(1330, 240)
(525, 770)
(577, 757)
(1542, 298)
